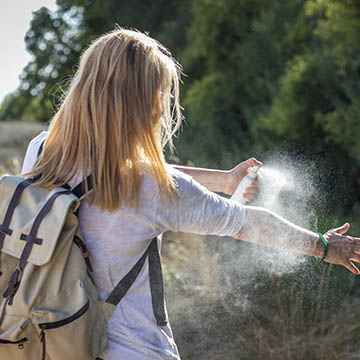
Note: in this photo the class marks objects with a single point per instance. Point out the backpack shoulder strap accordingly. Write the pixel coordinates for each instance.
(40, 148)
(79, 190)
(125, 283)
(156, 282)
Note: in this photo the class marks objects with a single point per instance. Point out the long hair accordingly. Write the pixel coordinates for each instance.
(121, 109)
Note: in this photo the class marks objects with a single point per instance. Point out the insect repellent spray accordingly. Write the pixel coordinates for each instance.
(245, 183)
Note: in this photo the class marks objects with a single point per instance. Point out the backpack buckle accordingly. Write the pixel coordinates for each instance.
(14, 284)
(18, 268)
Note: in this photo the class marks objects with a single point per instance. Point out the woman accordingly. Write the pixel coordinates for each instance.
(121, 108)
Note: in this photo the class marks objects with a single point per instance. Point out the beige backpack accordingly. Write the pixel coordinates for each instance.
(49, 306)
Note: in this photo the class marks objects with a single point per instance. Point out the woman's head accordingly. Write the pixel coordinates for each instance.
(131, 72)
(120, 110)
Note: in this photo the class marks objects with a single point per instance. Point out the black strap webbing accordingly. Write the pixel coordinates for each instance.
(156, 282)
(79, 190)
(40, 148)
(125, 283)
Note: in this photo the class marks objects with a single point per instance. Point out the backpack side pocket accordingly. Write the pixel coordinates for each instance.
(81, 333)
(18, 339)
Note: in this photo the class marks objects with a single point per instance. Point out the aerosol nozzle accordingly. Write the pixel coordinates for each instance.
(253, 171)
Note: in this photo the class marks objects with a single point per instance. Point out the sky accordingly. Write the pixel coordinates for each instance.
(15, 17)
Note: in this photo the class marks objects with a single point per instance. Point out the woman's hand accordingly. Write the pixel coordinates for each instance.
(264, 227)
(224, 181)
(235, 175)
(342, 249)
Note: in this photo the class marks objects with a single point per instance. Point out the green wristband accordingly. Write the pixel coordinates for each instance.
(325, 248)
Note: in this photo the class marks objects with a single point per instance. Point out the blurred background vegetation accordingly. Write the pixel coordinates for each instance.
(261, 78)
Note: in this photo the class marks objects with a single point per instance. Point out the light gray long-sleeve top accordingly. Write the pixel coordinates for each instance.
(117, 240)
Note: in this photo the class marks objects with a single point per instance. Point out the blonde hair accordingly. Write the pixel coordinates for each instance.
(121, 109)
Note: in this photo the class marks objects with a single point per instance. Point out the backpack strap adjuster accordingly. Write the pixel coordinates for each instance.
(5, 230)
(31, 239)
(18, 268)
(85, 252)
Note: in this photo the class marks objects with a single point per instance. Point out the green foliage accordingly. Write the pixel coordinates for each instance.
(163, 19)
(308, 88)
(56, 40)
(13, 106)
(237, 53)
(318, 99)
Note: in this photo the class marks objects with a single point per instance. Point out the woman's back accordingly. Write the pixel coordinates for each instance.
(116, 241)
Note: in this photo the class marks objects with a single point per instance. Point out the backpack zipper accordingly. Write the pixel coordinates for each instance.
(73, 317)
(60, 323)
(20, 342)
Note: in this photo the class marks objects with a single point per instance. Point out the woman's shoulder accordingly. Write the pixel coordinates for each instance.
(32, 151)
(35, 143)
(39, 138)
(185, 185)
(182, 179)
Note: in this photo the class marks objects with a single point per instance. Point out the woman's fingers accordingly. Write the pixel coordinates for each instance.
(342, 229)
(355, 257)
(351, 267)
(356, 240)
(251, 191)
(250, 162)
(355, 246)
(248, 197)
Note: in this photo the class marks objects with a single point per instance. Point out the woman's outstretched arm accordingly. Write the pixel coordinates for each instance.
(224, 181)
(264, 227)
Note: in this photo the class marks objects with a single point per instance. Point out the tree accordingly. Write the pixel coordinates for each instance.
(237, 50)
(339, 29)
(319, 96)
(56, 40)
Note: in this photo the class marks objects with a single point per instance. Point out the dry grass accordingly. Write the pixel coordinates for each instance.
(321, 334)
(314, 317)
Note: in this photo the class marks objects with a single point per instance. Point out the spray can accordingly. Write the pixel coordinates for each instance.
(244, 184)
